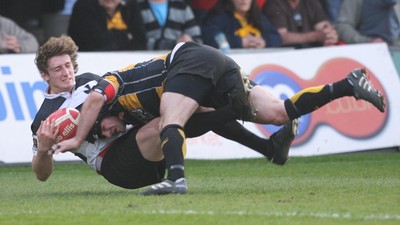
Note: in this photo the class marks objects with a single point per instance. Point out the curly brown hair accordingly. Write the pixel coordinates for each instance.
(56, 46)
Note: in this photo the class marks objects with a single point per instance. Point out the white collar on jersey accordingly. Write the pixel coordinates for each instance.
(65, 94)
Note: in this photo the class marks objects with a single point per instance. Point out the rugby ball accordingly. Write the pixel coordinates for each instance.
(66, 119)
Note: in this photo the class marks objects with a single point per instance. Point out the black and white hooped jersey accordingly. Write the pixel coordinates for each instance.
(84, 83)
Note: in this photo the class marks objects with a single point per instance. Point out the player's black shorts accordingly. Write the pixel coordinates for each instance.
(204, 74)
(123, 165)
(202, 60)
(195, 87)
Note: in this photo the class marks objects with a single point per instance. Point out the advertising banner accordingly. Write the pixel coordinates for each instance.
(344, 125)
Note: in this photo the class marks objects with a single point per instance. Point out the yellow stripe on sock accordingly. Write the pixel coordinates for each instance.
(315, 89)
(182, 133)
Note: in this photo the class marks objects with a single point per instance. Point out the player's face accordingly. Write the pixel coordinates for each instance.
(242, 6)
(111, 126)
(61, 75)
(109, 5)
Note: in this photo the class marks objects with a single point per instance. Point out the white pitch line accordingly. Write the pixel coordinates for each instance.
(278, 214)
(245, 213)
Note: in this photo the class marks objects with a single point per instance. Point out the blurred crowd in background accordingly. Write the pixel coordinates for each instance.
(130, 25)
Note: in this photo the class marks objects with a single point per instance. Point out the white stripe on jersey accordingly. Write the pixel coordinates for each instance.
(177, 46)
(79, 95)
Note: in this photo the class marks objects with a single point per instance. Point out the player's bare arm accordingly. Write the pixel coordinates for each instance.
(90, 111)
(42, 162)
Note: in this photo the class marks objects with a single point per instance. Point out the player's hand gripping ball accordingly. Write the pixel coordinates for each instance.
(67, 121)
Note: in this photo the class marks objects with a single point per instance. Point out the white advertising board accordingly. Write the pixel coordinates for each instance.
(345, 125)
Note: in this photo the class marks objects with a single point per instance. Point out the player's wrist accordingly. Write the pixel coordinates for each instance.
(78, 142)
(45, 152)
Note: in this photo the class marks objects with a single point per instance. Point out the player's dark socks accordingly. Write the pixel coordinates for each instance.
(234, 131)
(174, 148)
(342, 88)
(201, 123)
(311, 99)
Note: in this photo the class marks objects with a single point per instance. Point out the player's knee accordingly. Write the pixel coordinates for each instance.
(147, 133)
(148, 141)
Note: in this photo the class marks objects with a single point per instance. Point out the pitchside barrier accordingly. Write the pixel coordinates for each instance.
(344, 125)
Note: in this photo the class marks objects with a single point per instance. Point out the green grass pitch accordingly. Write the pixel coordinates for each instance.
(359, 188)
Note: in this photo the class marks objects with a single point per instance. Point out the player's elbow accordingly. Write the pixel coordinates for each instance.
(42, 177)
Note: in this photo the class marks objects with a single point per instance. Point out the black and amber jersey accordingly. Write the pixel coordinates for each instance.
(136, 90)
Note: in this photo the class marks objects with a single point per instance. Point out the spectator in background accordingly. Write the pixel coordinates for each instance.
(332, 8)
(167, 23)
(301, 23)
(55, 22)
(27, 14)
(106, 25)
(22, 12)
(261, 3)
(242, 24)
(397, 9)
(14, 39)
(201, 7)
(363, 21)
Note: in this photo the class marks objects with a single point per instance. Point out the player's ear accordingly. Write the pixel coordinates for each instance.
(44, 76)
